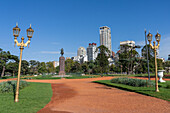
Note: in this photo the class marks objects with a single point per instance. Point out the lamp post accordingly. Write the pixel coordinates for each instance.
(16, 31)
(147, 56)
(155, 47)
(121, 69)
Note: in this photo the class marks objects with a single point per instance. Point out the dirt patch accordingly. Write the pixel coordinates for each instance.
(61, 92)
(83, 96)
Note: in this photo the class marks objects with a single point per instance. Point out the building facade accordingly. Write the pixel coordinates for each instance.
(105, 37)
(91, 52)
(81, 55)
(81, 51)
(126, 45)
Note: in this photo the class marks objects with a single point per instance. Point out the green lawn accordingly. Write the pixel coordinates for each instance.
(150, 91)
(31, 99)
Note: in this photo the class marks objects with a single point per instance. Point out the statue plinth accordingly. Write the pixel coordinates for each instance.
(62, 65)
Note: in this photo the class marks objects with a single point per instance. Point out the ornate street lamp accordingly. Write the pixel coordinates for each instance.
(16, 31)
(155, 47)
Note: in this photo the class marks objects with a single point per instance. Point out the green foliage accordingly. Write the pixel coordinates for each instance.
(50, 67)
(168, 86)
(68, 65)
(160, 64)
(76, 67)
(84, 67)
(132, 82)
(128, 58)
(6, 57)
(24, 67)
(57, 69)
(150, 52)
(12, 67)
(102, 58)
(42, 68)
(31, 99)
(167, 76)
(10, 86)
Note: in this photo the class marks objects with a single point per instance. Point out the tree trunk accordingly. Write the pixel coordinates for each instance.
(3, 71)
(13, 73)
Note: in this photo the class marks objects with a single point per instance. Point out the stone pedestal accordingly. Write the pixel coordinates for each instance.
(62, 65)
(160, 75)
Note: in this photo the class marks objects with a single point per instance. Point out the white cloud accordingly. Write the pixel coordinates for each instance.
(57, 52)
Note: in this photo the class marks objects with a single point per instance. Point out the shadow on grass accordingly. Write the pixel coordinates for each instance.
(14, 89)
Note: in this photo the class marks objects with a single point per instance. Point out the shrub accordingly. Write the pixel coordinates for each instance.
(167, 76)
(5, 77)
(132, 82)
(10, 86)
(168, 86)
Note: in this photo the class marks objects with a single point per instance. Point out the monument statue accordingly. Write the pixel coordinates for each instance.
(62, 52)
(62, 63)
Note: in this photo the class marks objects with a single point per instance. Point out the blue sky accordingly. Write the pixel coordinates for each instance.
(70, 24)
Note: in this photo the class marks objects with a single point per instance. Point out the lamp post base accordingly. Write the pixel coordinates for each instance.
(16, 100)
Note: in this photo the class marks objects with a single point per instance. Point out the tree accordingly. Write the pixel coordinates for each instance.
(150, 52)
(166, 66)
(24, 67)
(128, 59)
(12, 67)
(91, 66)
(50, 67)
(34, 66)
(4, 58)
(102, 58)
(57, 69)
(68, 65)
(84, 67)
(124, 59)
(112, 68)
(134, 60)
(76, 67)
(150, 58)
(42, 68)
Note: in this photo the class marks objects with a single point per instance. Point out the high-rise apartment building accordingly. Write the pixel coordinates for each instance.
(81, 51)
(81, 55)
(91, 52)
(105, 37)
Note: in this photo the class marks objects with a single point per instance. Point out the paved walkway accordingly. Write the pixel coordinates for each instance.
(83, 96)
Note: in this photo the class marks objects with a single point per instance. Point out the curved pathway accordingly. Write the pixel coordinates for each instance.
(83, 96)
